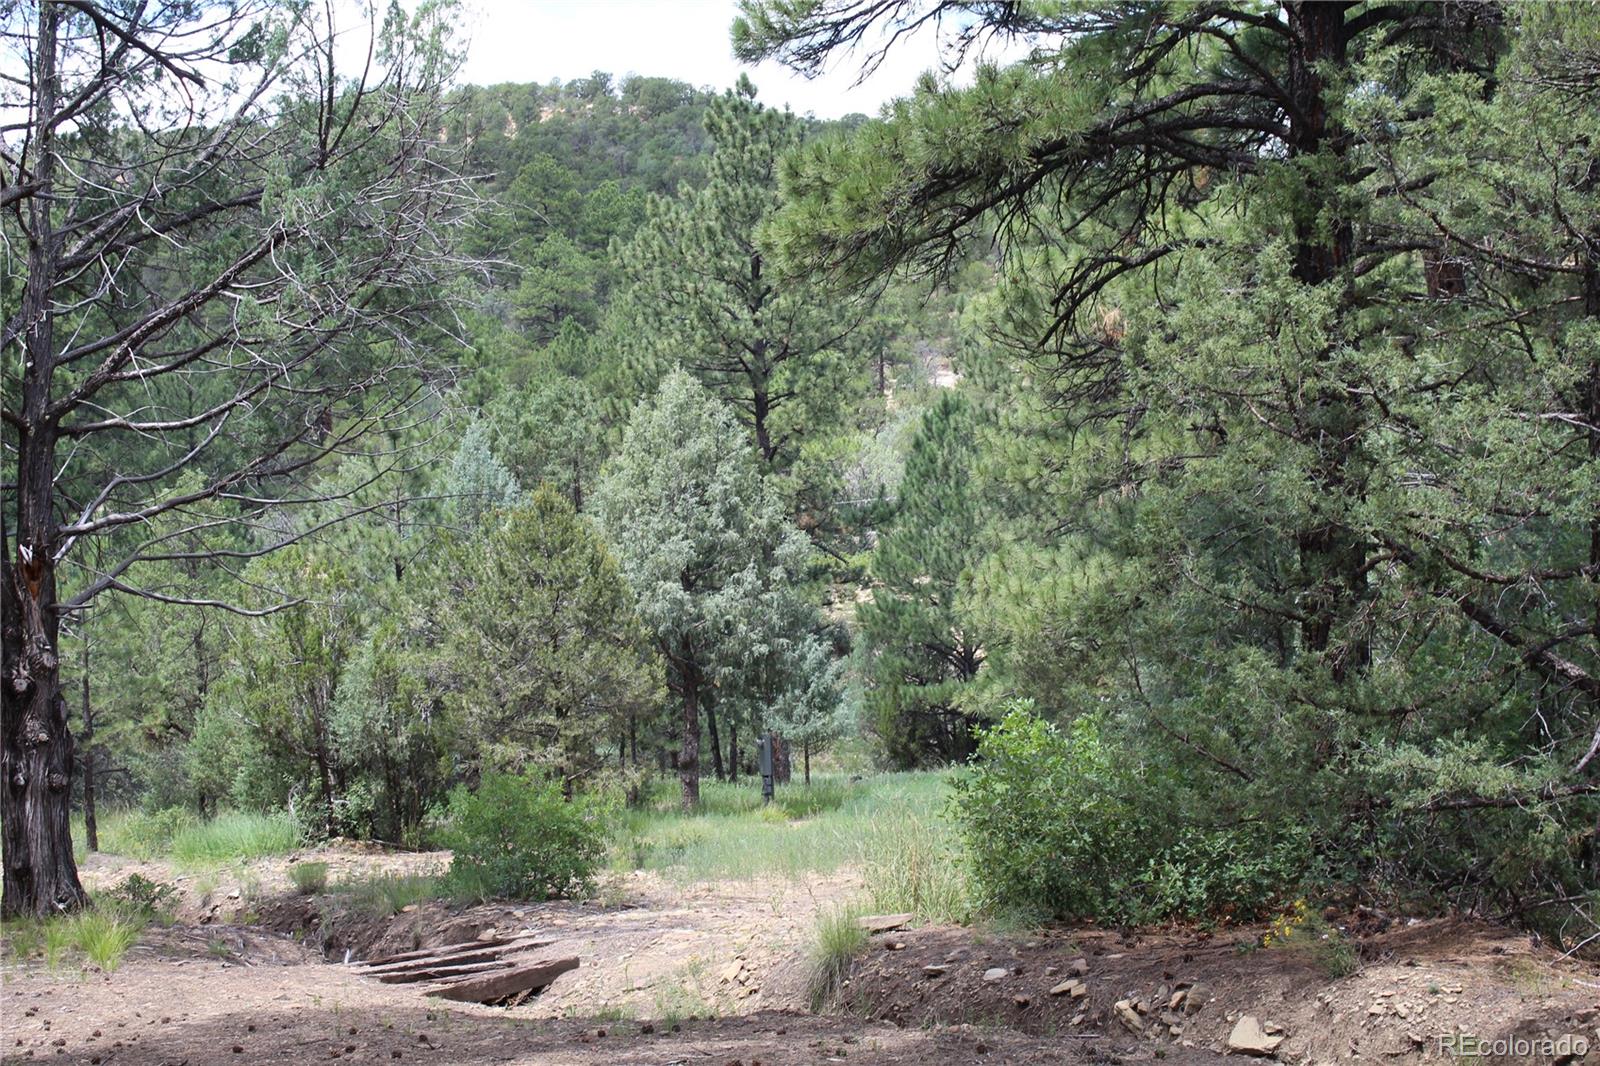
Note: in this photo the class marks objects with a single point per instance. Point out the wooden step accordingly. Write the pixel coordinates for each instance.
(522, 978)
(478, 953)
(442, 973)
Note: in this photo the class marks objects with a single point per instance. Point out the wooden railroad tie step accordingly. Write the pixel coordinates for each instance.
(523, 978)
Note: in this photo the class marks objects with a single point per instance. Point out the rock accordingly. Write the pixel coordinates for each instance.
(1051, 971)
(1078, 967)
(1128, 1016)
(995, 973)
(1022, 1002)
(1071, 986)
(935, 970)
(895, 945)
(1177, 999)
(730, 972)
(883, 923)
(1272, 1028)
(1248, 1038)
(1199, 995)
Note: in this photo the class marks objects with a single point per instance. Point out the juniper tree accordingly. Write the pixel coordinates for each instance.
(706, 546)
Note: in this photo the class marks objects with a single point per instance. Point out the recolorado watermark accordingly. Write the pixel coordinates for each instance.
(1467, 1046)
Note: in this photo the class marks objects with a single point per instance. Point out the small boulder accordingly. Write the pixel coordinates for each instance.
(1199, 995)
(1248, 1038)
(883, 923)
(1078, 967)
(1071, 986)
(995, 973)
(1129, 1017)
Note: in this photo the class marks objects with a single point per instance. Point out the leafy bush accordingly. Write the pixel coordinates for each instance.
(309, 877)
(156, 899)
(518, 837)
(1057, 825)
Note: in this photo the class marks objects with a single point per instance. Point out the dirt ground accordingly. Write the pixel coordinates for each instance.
(714, 973)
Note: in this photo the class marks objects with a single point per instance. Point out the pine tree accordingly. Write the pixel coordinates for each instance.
(705, 295)
(919, 647)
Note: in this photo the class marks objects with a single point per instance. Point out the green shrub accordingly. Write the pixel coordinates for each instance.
(518, 837)
(309, 877)
(154, 899)
(1058, 825)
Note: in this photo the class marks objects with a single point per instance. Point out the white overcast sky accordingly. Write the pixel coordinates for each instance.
(536, 40)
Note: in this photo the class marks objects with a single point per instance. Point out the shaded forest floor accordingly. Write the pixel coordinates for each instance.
(715, 972)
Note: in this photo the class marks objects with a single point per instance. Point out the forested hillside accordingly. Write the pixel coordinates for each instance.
(1191, 432)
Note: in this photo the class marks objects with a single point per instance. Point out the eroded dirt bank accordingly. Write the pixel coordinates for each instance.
(714, 973)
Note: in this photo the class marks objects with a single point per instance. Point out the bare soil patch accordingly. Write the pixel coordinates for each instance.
(1188, 989)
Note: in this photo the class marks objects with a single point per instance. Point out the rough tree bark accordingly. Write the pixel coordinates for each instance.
(40, 875)
(91, 828)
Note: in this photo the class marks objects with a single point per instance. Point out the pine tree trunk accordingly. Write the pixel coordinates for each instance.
(91, 829)
(733, 752)
(689, 757)
(40, 877)
(716, 741)
(805, 757)
(1332, 556)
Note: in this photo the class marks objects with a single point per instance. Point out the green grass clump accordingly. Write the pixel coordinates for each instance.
(99, 936)
(917, 867)
(105, 934)
(389, 894)
(309, 877)
(836, 942)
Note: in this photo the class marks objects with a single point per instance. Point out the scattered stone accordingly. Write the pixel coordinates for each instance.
(895, 945)
(1078, 967)
(1129, 1017)
(883, 923)
(730, 972)
(1177, 999)
(935, 970)
(1051, 971)
(1199, 995)
(995, 973)
(1070, 987)
(1248, 1038)
(1022, 1002)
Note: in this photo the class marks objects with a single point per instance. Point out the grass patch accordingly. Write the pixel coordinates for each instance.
(236, 835)
(309, 877)
(179, 835)
(816, 829)
(98, 937)
(837, 941)
(388, 894)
